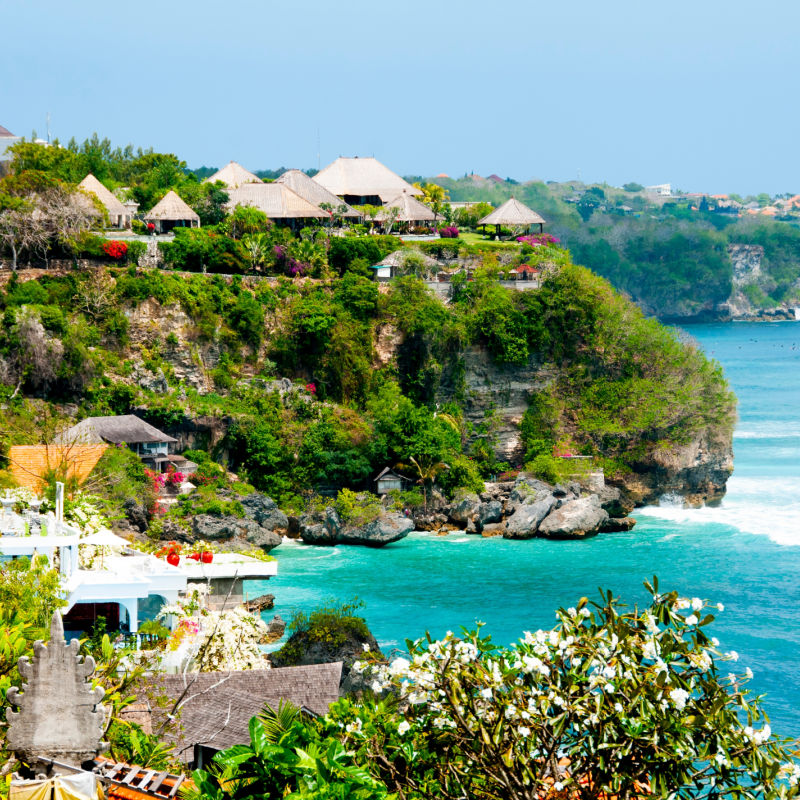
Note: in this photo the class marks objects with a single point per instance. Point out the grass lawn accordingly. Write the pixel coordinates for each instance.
(477, 238)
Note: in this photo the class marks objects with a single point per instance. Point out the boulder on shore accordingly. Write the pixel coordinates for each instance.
(525, 521)
(464, 508)
(213, 528)
(575, 519)
(618, 525)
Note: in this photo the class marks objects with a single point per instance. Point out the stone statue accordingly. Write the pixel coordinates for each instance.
(59, 716)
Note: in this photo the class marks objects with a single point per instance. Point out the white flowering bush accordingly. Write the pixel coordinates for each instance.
(209, 641)
(609, 702)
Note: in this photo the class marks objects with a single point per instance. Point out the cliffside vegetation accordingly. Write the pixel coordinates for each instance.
(620, 384)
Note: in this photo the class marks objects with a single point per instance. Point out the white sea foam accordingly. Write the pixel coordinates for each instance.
(754, 505)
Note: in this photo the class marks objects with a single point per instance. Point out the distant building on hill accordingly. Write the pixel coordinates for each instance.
(660, 189)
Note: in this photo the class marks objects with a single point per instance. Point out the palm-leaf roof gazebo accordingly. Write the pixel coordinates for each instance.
(409, 209)
(314, 192)
(172, 212)
(118, 215)
(513, 214)
(233, 175)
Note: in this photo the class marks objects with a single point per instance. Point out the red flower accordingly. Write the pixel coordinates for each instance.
(115, 249)
(151, 226)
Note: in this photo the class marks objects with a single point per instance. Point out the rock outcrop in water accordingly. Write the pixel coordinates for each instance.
(327, 528)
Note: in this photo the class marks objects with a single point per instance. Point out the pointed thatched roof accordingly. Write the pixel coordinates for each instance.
(409, 209)
(233, 175)
(312, 191)
(112, 204)
(171, 207)
(512, 212)
(363, 177)
(276, 200)
(5, 132)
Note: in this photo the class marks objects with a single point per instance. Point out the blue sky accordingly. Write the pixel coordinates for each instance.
(701, 94)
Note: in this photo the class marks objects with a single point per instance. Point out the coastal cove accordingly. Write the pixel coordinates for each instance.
(744, 553)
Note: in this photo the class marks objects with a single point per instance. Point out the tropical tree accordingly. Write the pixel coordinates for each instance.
(434, 196)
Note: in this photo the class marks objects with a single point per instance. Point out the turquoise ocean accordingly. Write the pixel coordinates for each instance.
(744, 553)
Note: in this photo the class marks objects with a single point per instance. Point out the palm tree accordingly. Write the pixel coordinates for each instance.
(426, 470)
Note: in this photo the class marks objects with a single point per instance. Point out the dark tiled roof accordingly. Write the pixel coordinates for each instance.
(221, 705)
(5, 132)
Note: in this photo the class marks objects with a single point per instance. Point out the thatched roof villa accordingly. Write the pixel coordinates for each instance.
(314, 192)
(233, 175)
(6, 140)
(513, 214)
(408, 211)
(118, 215)
(360, 181)
(172, 212)
(277, 201)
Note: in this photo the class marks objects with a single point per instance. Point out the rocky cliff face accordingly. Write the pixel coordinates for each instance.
(696, 472)
(505, 390)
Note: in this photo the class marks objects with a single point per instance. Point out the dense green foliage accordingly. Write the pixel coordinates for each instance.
(610, 702)
(621, 385)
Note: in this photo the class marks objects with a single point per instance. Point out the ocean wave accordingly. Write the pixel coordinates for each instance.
(755, 505)
(777, 432)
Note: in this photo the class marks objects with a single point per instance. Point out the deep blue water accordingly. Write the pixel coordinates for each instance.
(744, 553)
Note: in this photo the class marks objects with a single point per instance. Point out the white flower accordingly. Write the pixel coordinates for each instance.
(650, 649)
(733, 655)
(558, 786)
(585, 612)
(354, 727)
(679, 697)
(609, 688)
(403, 727)
(365, 647)
(749, 674)
(720, 607)
(618, 708)
(377, 687)
(715, 641)
(523, 731)
(758, 737)
(700, 660)
(721, 759)
(697, 604)
(486, 694)
(400, 666)
(682, 602)
(572, 612)
(692, 620)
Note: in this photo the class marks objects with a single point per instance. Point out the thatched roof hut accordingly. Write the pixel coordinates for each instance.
(233, 175)
(216, 714)
(276, 200)
(118, 215)
(409, 210)
(314, 192)
(513, 214)
(362, 180)
(120, 429)
(172, 212)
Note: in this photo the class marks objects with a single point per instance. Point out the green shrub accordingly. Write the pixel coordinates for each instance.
(344, 250)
